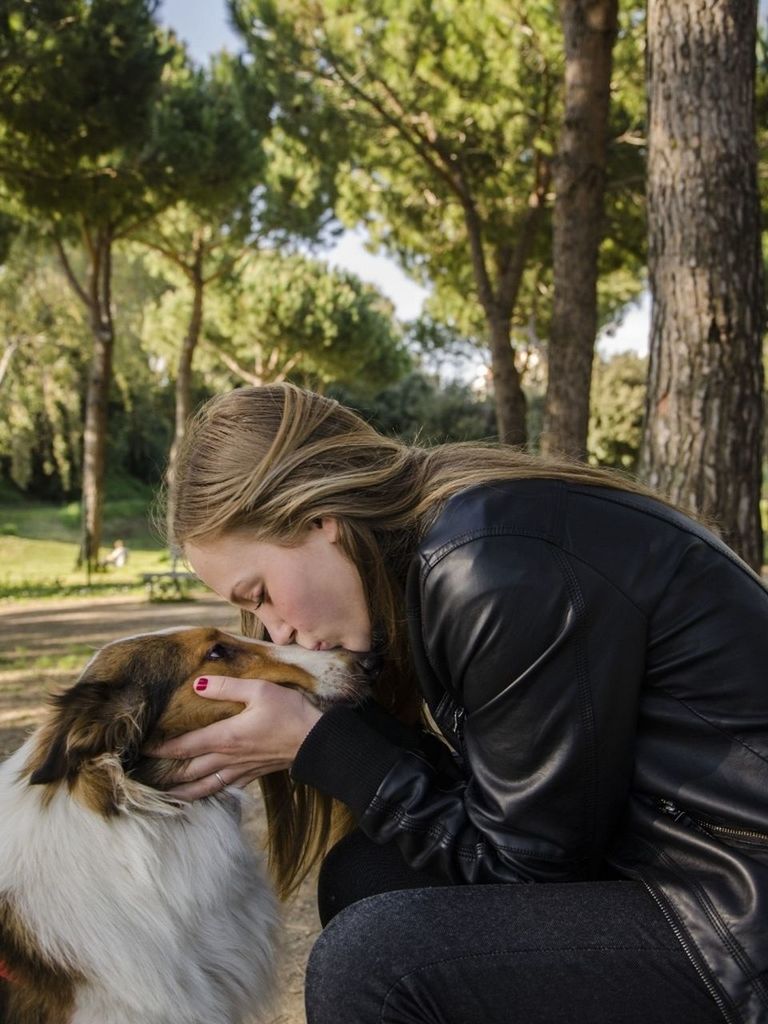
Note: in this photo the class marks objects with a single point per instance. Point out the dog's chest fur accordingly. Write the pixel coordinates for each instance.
(167, 918)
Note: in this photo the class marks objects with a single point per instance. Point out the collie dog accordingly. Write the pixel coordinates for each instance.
(118, 903)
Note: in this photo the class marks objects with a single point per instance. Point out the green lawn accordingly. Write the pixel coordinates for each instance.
(39, 545)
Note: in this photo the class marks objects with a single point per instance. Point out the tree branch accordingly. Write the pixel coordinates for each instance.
(236, 368)
(419, 142)
(7, 356)
(70, 274)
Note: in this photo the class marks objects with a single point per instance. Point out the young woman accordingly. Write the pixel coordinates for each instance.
(581, 834)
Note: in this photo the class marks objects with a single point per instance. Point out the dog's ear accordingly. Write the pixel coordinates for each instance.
(111, 708)
(90, 719)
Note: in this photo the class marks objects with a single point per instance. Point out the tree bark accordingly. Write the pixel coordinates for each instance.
(184, 378)
(703, 434)
(590, 28)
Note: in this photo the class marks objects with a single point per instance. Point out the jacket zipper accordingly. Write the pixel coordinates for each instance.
(671, 809)
(681, 938)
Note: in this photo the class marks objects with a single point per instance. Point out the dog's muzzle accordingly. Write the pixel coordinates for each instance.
(370, 665)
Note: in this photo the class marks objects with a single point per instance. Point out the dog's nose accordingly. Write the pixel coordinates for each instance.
(370, 664)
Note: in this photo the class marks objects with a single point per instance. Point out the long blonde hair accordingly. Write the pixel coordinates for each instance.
(268, 461)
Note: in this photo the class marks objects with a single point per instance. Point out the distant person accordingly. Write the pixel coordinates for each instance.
(117, 557)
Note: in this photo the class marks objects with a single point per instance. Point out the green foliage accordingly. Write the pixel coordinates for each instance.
(618, 405)
(78, 81)
(290, 316)
(41, 355)
(418, 409)
(208, 143)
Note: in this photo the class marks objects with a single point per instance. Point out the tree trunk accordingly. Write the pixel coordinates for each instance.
(590, 28)
(184, 381)
(703, 434)
(97, 397)
(498, 304)
(508, 392)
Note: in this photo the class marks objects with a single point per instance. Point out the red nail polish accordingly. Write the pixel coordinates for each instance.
(201, 683)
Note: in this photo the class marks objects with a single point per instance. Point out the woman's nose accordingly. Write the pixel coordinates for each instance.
(279, 632)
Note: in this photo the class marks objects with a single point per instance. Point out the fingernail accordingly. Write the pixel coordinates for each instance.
(201, 683)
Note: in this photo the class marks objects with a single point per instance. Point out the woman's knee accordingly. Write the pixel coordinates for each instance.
(355, 961)
(336, 969)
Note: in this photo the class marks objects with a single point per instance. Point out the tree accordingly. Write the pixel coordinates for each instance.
(240, 184)
(78, 81)
(446, 116)
(702, 442)
(212, 147)
(590, 28)
(286, 316)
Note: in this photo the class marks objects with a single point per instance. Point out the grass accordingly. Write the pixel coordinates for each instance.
(39, 545)
(20, 659)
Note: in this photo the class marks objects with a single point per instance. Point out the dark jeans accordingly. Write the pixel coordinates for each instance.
(403, 949)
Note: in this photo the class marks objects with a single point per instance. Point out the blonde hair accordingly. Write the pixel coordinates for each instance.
(268, 461)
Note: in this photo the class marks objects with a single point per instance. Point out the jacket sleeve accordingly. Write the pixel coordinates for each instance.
(539, 659)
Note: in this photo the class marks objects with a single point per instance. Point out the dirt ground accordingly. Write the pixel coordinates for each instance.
(41, 632)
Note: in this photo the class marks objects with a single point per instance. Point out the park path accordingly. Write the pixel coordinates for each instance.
(36, 631)
(52, 626)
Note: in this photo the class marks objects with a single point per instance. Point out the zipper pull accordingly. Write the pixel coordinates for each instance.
(670, 809)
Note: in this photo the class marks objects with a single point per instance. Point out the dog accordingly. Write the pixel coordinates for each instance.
(120, 904)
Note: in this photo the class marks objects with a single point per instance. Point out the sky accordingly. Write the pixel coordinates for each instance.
(203, 25)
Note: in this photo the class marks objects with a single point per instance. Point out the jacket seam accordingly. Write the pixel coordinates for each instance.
(432, 560)
(584, 690)
(718, 728)
(489, 531)
(671, 521)
(606, 579)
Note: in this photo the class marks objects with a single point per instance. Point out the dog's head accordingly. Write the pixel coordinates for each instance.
(138, 691)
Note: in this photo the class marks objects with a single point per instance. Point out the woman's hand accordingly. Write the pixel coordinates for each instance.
(264, 737)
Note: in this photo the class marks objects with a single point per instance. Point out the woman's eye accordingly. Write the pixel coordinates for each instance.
(217, 652)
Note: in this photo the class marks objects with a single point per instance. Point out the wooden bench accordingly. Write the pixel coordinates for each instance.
(161, 585)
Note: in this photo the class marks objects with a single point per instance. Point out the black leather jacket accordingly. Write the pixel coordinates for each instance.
(600, 664)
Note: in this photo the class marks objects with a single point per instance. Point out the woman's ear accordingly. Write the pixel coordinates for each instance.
(330, 527)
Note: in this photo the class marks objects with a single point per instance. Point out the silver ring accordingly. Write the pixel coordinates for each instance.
(218, 776)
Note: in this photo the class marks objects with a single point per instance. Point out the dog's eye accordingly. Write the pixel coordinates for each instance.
(217, 652)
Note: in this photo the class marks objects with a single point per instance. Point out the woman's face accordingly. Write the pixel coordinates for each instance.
(310, 593)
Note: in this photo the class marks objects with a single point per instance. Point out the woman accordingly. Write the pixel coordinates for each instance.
(594, 662)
